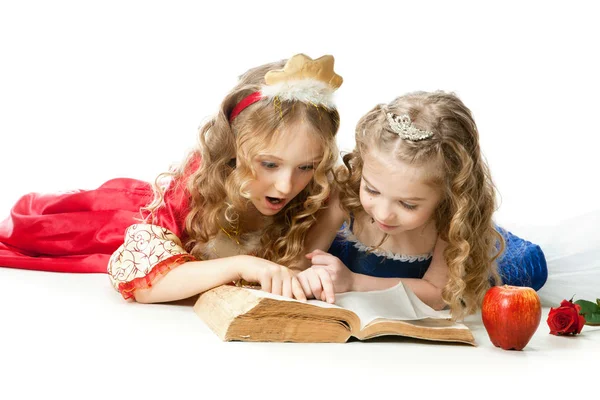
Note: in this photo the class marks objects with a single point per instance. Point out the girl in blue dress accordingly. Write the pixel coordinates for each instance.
(417, 200)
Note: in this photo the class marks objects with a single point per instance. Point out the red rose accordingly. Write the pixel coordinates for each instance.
(565, 319)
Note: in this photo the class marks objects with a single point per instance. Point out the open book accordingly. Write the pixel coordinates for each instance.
(236, 313)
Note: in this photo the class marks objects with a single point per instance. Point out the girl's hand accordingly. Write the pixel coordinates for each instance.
(317, 284)
(273, 278)
(341, 276)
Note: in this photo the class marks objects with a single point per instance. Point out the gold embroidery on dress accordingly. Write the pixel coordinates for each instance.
(144, 247)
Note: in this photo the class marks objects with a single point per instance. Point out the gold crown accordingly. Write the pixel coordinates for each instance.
(301, 67)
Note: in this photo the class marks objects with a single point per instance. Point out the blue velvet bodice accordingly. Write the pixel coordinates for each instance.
(521, 264)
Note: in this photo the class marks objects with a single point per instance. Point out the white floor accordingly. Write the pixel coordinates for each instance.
(72, 336)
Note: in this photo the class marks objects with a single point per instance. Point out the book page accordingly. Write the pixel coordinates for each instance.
(396, 303)
(318, 303)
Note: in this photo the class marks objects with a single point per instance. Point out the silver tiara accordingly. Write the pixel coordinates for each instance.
(403, 126)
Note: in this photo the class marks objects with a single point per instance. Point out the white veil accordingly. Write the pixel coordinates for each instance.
(572, 250)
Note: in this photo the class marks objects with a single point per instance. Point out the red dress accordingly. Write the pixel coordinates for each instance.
(80, 231)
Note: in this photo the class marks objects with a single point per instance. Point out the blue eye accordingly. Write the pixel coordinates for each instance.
(268, 165)
(307, 167)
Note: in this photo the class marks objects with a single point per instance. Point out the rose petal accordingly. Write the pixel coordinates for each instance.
(580, 324)
(558, 323)
(565, 303)
(575, 326)
(568, 320)
(553, 321)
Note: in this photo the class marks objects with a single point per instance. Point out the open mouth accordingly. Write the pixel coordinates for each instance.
(275, 203)
(274, 200)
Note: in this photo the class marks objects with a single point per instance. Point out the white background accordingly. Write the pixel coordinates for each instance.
(91, 91)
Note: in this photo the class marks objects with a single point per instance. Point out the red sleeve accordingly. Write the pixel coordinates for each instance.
(152, 249)
(176, 202)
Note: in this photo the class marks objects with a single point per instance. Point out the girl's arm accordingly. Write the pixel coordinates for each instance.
(195, 277)
(428, 289)
(152, 266)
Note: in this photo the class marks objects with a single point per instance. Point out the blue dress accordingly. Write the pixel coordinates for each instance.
(522, 263)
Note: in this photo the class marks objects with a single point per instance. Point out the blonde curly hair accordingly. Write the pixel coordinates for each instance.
(217, 189)
(464, 215)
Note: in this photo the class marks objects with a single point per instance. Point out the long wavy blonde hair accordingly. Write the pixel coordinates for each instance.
(217, 189)
(464, 215)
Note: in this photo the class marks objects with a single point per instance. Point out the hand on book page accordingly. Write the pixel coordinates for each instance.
(317, 284)
(398, 303)
(339, 278)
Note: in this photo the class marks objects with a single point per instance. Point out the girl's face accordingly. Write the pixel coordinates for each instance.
(284, 169)
(395, 194)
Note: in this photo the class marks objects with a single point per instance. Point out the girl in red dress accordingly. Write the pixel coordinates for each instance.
(238, 208)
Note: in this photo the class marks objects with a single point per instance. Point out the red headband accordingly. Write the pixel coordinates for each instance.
(246, 101)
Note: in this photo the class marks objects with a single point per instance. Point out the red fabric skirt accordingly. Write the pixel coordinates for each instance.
(71, 232)
(78, 231)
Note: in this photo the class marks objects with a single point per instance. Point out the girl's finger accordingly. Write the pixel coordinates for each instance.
(305, 285)
(277, 285)
(326, 284)
(286, 287)
(297, 289)
(322, 259)
(265, 283)
(315, 285)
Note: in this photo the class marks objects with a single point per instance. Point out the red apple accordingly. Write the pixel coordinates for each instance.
(511, 315)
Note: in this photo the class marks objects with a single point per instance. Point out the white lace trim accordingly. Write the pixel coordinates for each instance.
(349, 236)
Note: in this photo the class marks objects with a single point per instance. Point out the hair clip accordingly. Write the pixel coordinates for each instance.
(403, 127)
